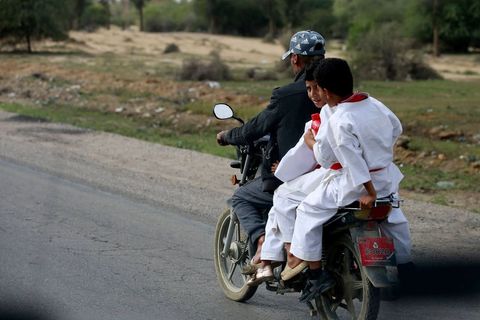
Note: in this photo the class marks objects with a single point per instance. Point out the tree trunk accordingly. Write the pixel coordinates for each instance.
(212, 27)
(125, 14)
(436, 42)
(140, 11)
(271, 27)
(435, 28)
(29, 43)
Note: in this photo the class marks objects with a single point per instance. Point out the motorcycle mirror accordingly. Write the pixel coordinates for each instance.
(222, 111)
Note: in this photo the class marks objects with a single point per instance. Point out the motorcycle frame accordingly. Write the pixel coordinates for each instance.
(233, 216)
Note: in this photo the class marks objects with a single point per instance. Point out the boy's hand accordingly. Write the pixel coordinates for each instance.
(309, 138)
(275, 166)
(366, 202)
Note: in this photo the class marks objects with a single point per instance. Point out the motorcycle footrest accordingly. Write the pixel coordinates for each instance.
(271, 287)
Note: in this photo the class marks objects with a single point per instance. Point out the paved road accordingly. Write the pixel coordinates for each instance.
(70, 251)
(97, 226)
(81, 253)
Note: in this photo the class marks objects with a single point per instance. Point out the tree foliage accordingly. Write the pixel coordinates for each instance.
(95, 15)
(26, 20)
(169, 16)
(455, 21)
(383, 54)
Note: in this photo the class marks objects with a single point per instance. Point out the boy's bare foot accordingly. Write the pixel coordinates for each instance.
(293, 261)
(257, 257)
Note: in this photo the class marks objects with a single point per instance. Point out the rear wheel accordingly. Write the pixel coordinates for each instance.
(353, 297)
(228, 267)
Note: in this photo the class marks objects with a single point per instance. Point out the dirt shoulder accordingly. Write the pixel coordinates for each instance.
(189, 181)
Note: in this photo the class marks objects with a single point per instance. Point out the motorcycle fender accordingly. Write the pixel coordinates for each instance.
(378, 276)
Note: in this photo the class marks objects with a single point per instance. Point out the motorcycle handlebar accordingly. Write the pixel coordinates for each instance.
(391, 200)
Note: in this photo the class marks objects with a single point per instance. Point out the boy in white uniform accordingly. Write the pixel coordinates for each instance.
(296, 168)
(360, 136)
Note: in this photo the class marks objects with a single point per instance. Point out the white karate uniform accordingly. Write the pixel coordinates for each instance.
(298, 171)
(359, 135)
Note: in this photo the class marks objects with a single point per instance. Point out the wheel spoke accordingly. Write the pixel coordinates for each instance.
(357, 285)
(327, 307)
(347, 261)
(350, 295)
(351, 308)
(231, 271)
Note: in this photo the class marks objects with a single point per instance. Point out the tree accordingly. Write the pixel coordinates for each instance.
(227, 16)
(211, 10)
(33, 19)
(79, 7)
(272, 9)
(355, 18)
(140, 4)
(448, 24)
(96, 15)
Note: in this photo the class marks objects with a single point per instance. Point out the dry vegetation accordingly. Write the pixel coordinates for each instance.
(127, 73)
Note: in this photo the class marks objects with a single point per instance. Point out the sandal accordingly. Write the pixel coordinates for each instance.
(288, 273)
(250, 268)
(262, 275)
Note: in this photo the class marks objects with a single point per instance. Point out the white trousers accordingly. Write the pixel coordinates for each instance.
(298, 215)
(281, 218)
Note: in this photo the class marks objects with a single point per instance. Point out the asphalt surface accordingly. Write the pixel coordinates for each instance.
(70, 251)
(89, 231)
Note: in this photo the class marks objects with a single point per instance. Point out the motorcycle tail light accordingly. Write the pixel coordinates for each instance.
(375, 213)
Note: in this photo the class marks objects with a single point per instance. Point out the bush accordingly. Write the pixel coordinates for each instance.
(95, 16)
(385, 55)
(216, 69)
(169, 16)
(261, 74)
(121, 18)
(171, 48)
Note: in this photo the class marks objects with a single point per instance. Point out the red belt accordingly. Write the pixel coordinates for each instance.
(338, 166)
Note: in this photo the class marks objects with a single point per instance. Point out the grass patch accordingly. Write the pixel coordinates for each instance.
(254, 88)
(452, 149)
(421, 178)
(420, 105)
(126, 126)
(427, 104)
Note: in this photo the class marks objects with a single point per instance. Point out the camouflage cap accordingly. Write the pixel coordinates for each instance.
(306, 43)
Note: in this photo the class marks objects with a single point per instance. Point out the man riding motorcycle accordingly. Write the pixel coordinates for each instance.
(283, 120)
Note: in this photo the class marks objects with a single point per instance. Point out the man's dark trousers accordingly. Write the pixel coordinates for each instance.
(249, 202)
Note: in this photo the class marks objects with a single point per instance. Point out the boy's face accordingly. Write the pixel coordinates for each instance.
(326, 96)
(313, 93)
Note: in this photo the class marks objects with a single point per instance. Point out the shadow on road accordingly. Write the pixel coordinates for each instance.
(447, 279)
(20, 307)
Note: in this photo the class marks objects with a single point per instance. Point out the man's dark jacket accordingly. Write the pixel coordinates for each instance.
(284, 120)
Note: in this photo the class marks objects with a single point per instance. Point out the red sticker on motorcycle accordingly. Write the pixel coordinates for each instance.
(376, 251)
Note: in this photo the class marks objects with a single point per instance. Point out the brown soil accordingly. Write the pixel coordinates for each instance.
(49, 79)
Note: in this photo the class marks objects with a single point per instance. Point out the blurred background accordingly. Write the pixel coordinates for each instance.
(153, 70)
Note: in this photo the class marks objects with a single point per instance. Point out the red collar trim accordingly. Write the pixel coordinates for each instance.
(356, 97)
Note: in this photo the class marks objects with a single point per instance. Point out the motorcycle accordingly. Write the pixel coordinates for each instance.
(356, 253)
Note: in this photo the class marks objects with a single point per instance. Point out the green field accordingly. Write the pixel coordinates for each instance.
(440, 117)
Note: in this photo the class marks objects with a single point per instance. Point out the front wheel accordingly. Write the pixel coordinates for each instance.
(228, 266)
(353, 296)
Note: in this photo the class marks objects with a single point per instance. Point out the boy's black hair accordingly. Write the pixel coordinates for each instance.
(335, 75)
(310, 69)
